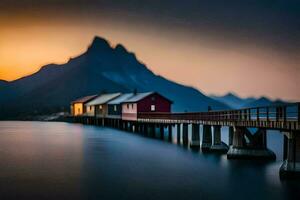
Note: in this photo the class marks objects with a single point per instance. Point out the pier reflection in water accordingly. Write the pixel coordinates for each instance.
(72, 161)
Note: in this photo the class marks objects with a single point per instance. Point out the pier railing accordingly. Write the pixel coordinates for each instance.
(285, 115)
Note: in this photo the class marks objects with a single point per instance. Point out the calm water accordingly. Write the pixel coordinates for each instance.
(49, 160)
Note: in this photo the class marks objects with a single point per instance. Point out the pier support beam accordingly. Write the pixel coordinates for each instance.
(178, 132)
(112, 123)
(131, 127)
(218, 145)
(145, 129)
(161, 131)
(127, 126)
(152, 130)
(290, 169)
(255, 148)
(140, 128)
(137, 127)
(195, 142)
(170, 132)
(115, 123)
(119, 124)
(230, 135)
(185, 134)
(124, 125)
(207, 139)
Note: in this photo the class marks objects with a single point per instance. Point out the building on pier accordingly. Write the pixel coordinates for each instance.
(144, 112)
(143, 103)
(115, 105)
(98, 107)
(78, 106)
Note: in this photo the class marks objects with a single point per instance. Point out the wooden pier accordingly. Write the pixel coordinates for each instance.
(242, 143)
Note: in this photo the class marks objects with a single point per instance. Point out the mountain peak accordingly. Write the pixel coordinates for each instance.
(99, 44)
(232, 95)
(120, 48)
(3, 83)
(263, 98)
(125, 54)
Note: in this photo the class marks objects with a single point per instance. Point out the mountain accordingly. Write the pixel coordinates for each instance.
(237, 102)
(233, 100)
(3, 83)
(100, 68)
(263, 101)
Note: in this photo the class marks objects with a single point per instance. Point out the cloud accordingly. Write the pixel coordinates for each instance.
(275, 24)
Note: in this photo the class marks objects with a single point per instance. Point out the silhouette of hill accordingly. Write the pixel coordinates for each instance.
(237, 102)
(232, 100)
(101, 67)
(3, 83)
(263, 101)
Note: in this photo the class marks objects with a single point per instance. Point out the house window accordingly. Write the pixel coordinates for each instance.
(132, 106)
(115, 108)
(90, 107)
(152, 107)
(153, 98)
(127, 106)
(100, 107)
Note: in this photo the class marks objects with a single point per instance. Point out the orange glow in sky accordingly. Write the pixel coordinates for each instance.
(212, 66)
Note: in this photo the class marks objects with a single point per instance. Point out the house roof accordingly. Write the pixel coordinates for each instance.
(103, 98)
(84, 99)
(121, 98)
(138, 97)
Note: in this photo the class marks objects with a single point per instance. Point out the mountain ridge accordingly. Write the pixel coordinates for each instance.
(236, 102)
(100, 67)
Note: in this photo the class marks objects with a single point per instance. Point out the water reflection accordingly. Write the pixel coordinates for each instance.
(72, 161)
(38, 159)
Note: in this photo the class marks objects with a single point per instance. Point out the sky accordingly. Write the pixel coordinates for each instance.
(249, 47)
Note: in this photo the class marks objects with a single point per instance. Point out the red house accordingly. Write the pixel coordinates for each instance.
(144, 102)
